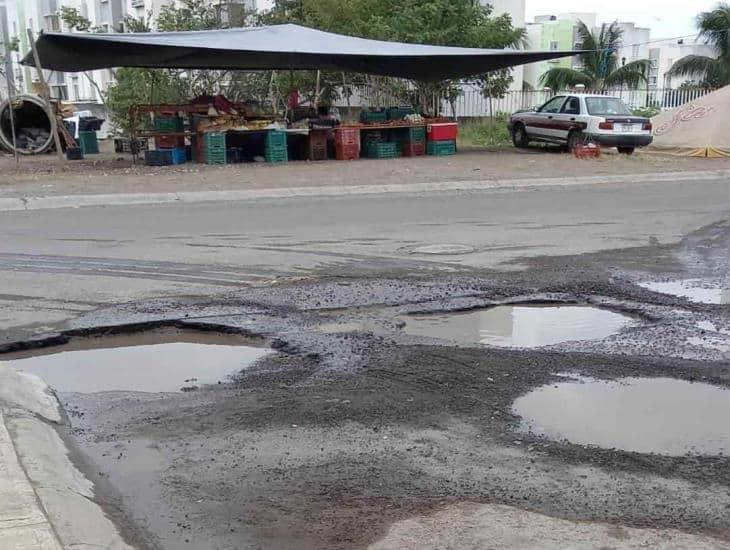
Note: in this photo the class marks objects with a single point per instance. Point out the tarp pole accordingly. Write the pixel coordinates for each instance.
(11, 89)
(46, 96)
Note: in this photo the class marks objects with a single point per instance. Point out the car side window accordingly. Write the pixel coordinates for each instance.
(572, 106)
(553, 106)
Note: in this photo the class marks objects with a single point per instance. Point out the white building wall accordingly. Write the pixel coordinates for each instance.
(516, 10)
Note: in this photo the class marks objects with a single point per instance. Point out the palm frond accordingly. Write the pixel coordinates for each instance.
(715, 28)
(698, 66)
(632, 74)
(561, 78)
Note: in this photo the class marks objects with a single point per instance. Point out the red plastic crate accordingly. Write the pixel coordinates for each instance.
(411, 149)
(347, 152)
(587, 151)
(442, 131)
(347, 136)
(169, 142)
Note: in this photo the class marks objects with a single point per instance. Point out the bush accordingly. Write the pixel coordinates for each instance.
(647, 112)
(485, 132)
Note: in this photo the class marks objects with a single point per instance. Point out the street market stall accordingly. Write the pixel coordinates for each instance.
(215, 131)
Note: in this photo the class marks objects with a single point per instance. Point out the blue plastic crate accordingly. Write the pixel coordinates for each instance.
(165, 157)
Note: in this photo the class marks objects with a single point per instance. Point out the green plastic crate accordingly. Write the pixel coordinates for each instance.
(277, 157)
(275, 138)
(382, 150)
(399, 113)
(441, 148)
(168, 124)
(214, 140)
(409, 135)
(89, 143)
(369, 117)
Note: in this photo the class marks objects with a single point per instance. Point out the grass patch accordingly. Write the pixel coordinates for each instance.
(484, 133)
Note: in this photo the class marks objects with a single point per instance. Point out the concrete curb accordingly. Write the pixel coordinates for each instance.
(45, 501)
(10, 204)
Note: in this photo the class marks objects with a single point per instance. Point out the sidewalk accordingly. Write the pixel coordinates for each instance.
(46, 503)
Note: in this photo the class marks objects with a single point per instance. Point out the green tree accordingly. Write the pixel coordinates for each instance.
(601, 68)
(714, 29)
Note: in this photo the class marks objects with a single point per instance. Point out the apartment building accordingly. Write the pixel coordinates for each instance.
(84, 89)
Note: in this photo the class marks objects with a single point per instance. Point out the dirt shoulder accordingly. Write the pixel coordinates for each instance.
(112, 173)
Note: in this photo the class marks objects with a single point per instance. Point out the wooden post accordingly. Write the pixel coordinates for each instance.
(46, 96)
(10, 106)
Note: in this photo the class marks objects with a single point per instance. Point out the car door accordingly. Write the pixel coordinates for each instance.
(542, 123)
(567, 118)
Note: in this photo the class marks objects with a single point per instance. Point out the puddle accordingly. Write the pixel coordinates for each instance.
(658, 415)
(520, 326)
(153, 361)
(695, 290)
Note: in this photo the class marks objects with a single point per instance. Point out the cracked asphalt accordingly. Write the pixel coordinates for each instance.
(354, 428)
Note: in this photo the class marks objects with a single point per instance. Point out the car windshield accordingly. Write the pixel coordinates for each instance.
(602, 106)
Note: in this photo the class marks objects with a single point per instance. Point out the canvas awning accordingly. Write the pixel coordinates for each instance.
(282, 47)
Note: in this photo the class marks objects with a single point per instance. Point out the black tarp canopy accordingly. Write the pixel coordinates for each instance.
(274, 47)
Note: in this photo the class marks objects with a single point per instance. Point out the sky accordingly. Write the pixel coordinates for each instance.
(666, 18)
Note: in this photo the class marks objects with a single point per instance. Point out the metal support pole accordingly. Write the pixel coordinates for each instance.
(46, 96)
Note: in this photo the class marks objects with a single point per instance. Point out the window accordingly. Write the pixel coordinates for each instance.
(635, 52)
(52, 23)
(571, 107)
(554, 46)
(553, 106)
(59, 92)
(607, 106)
(653, 81)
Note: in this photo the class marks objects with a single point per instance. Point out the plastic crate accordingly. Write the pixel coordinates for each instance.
(168, 124)
(74, 153)
(317, 145)
(88, 143)
(215, 157)
(126, 145)
(399, 113)
(214, 140)
(277, 157)
(371, 116)
(275, 138)
(169, 142)
(441, 148)
(382, 150)
(158, 158)
(417, 134)
(410, 149)
(347, 152)
(442, 131)
(347, 136)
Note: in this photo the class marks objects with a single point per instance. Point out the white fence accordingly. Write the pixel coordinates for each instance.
(471, 102)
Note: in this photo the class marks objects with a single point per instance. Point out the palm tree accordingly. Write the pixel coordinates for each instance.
(601, 69)
(714, 30)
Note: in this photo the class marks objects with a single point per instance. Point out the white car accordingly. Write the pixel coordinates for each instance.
(573, 119)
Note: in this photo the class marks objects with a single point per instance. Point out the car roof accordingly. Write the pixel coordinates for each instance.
(574, 94)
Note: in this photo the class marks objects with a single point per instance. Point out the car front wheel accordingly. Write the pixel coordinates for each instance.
(519, 137)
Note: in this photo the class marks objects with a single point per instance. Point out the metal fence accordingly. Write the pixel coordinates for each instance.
(470, 101)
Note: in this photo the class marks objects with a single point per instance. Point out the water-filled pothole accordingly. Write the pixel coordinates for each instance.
(528, 326)
(153, 361)
(646, 415)
(695, 290)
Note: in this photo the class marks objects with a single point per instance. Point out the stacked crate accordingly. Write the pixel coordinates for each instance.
(317, 145)
(347, 143)
(382, 150)
(169, 126)
(414, 142)
(165, 157)
(373, 116)
(214, 148)
(399, 113)
(276, 147)
(442, 138)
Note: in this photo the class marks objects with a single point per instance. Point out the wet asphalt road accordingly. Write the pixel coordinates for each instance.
(344, 432)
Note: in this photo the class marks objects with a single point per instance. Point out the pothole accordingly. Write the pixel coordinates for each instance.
(645, 415)
(443, 249)
(155, 361)
(529, 326)
(695, 290)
